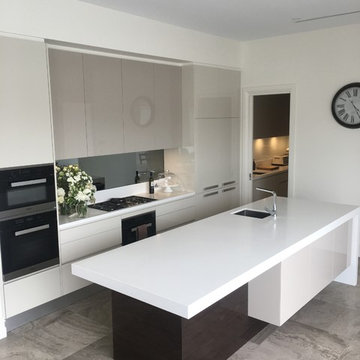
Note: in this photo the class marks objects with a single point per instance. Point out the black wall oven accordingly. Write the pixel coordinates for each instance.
(28, 221)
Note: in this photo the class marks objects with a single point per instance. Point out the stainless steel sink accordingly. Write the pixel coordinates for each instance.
(252, 213)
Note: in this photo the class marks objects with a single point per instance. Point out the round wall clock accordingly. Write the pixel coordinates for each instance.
(345, 106)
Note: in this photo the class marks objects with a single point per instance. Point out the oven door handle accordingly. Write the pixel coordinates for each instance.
(142, 225)
(28, 182)
(31, 230)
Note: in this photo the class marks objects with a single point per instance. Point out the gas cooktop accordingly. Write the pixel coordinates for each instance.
(121, 203)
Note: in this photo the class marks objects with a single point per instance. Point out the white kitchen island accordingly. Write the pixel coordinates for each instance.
(180, 275)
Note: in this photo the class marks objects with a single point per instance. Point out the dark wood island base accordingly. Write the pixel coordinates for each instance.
(144, 332)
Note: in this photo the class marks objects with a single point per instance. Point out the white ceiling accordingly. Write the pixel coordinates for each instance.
(243, 19)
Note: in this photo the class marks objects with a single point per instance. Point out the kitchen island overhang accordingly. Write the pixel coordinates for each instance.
(186, 270)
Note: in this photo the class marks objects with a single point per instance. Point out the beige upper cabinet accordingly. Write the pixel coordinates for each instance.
(103, 105)
(25, 135)
(167, 106)
(67, 93)
(216, 92)
(139, 108)
(152, 106)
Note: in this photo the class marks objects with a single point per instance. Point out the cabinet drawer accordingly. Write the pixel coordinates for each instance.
(32, 291)
(89, 245)
(71, 282)
(175, 218)
(175, 206)
(83, 231)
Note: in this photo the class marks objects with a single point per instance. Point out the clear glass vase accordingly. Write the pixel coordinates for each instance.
(81, 209)
(66, 209)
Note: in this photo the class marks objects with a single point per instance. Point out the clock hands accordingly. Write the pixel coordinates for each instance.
(356, 109)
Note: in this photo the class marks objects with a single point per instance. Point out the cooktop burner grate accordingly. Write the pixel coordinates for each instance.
(121, 203)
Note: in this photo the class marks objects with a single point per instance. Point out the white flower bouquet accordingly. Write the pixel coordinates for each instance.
(75, 190)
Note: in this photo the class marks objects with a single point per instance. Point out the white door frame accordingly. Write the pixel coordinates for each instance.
(246, 136)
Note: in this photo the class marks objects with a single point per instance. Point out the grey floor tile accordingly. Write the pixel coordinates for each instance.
(352, 352)
(55, 336)
(96, 307)
(263, 334)
(341, 294)
(294, 341)
(99, 350)
(333, 318)
(15, 347)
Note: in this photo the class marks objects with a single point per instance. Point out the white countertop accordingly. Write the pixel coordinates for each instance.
(186, 270)
(67, 222)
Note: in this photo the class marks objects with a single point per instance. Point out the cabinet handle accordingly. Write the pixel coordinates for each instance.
(229, 189)
(229, 183)
(211, 194)
(31, 230)
(211, 187)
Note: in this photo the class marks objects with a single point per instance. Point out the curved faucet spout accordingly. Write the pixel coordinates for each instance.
(273, 211)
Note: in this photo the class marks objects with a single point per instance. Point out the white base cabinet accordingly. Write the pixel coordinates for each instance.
(280, 292)
(82, 241)
(89, 239)
(70, 282)
(29, 292)
(177, 213)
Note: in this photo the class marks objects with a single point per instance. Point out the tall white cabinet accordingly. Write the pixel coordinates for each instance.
(212, 102)
(25, 136)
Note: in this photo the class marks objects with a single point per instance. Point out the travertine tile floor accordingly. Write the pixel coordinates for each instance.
(327, 328)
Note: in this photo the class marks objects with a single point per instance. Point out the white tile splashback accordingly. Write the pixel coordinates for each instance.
(122, 191)
(266, 149)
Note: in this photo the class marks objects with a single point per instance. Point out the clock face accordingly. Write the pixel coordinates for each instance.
(345, 106)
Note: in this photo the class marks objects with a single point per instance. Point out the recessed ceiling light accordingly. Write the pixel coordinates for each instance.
(299, 20)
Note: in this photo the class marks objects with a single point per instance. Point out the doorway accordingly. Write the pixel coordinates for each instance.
(266, 138)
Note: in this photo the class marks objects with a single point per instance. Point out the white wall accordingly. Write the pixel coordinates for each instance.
(327, 155)
(83, 23)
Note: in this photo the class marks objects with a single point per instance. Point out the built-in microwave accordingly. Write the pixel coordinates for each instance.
(31, 186)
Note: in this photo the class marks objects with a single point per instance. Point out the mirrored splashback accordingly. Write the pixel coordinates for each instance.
(117, 170)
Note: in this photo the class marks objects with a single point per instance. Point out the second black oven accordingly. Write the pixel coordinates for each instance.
(29, 243)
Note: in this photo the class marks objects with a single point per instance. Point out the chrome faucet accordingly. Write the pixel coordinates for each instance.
(273, 210)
